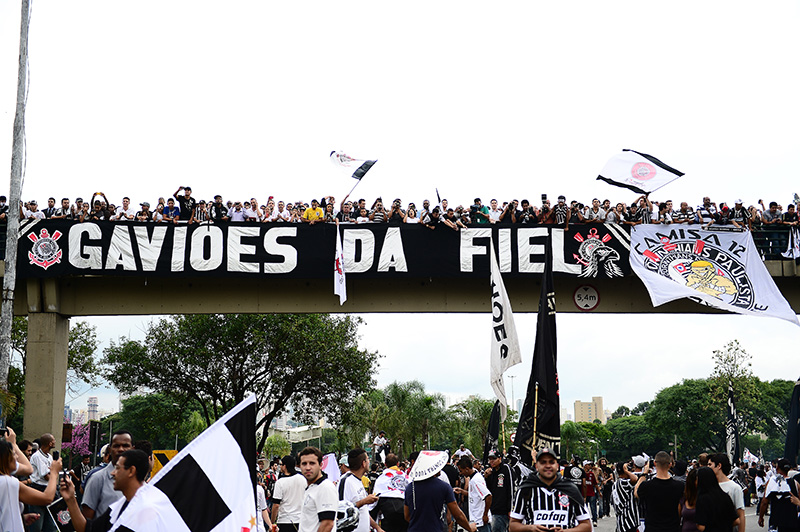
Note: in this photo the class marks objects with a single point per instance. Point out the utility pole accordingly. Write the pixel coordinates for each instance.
(14, 193)
(513, 403)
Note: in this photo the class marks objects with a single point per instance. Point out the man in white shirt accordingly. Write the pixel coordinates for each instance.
(480, 498)
(463, 451)
(494, 212)
(351, 488)
(721, 465)
(379, 445)
(280, 214)
(40, 461)
(320, 502)
(32, 211)
(287, 501)
(125, 211)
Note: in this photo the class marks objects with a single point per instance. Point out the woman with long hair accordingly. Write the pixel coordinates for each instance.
(688, 504)
(714, 511)
(13, 492)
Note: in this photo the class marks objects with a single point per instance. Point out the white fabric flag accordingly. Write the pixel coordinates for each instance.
(331, 467)
(505, 351)
(639, 172)
(197, 491)
(339, 283)
(392, 484)
(719, 269)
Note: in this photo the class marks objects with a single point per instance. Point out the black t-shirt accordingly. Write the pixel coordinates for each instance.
(452, 474)
(717, 513)
(526, 216)
(661, 498)
(499, 483)
(187, 206)
(218, 211)
(575, 475)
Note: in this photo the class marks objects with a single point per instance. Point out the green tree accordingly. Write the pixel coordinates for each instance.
(689, 411)
(310, 362)
(621, 411)
(629, 436)
(573, 439)
(277, 445)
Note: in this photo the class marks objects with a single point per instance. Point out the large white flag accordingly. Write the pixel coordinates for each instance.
(505, 345)
(339, 282)
(719, 269)
(639, 172)
(208, 487)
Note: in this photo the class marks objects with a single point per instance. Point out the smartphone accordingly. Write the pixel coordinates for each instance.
(56, 456)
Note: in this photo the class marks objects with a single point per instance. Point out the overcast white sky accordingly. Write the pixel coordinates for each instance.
(507, 100)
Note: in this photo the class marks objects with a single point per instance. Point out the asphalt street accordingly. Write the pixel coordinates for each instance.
(608, 524)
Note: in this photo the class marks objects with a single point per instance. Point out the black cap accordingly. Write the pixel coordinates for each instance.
(546, 450)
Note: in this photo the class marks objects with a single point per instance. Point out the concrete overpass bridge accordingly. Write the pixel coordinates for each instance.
(98, 269)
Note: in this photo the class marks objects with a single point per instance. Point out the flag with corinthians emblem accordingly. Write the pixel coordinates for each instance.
(208, 487)
(719, 269)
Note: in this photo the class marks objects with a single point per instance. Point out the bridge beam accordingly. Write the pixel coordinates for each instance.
(46, 374)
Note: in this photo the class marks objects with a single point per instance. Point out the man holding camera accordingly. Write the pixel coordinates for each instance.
(479, 213)
(526, 215)
(397, 213)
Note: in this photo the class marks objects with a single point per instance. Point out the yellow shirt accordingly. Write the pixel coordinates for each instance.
(312, 215)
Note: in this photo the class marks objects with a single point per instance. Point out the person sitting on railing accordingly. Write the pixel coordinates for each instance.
(706, 212)
(125, 211)
(65, 212)
(218, 211)
(616, 215)
(684, 215)
(200, 213)
(452, 222)
(526, 215)
(30, 211)
(741, 216)
(595, 213)
(171, 212)
(144, 215)
(98, 213)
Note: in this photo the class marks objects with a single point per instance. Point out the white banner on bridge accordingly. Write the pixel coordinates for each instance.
(719, 269)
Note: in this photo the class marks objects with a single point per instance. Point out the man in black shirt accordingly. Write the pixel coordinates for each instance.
(661, 496)
(186, 203)
(218, 211)
(499, 480)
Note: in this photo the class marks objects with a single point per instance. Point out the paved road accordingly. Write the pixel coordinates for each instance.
(608, 524)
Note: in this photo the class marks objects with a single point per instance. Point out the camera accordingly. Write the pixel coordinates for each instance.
(544, 198)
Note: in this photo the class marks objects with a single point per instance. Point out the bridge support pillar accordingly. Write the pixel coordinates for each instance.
(46, 374)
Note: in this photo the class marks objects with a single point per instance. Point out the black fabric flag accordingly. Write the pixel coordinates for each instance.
(545, 416)
(492, 433)
(731, 428)
(362, 170)
(793, 426)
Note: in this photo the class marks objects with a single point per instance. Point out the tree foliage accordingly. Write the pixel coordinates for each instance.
(309, 362)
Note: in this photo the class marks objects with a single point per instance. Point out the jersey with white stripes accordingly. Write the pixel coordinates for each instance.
(541, 506)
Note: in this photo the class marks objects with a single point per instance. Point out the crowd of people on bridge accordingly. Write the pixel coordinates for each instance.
(430, 491)
(183, 207)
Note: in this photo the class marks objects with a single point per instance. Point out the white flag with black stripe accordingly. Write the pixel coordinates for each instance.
(505, 351)
(639, 172)
(208, 487)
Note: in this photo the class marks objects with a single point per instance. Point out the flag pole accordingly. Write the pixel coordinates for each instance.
(503, 429)
(535, 415)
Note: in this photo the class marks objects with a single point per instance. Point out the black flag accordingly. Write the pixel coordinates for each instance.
(492, 433)
(731, 428)
(545, 375)
(793, 426)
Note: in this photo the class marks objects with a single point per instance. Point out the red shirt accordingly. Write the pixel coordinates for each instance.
(591, 483)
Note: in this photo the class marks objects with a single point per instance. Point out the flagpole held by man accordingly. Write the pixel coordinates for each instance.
(539, 423)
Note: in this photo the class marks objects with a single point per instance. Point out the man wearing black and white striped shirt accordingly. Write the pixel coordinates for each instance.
(625, 505)
(546, 502)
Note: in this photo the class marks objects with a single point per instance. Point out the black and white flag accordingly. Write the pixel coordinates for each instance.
(540, 419)
(731, 428)
(721, 270)
(342, 159)
(208, 487)
(492, 433)
(793, 426)
(505, 350)
(639, 172)
(793, 249)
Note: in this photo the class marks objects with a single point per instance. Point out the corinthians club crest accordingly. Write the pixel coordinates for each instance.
(45, 251)
(594, 252)
(704, 266)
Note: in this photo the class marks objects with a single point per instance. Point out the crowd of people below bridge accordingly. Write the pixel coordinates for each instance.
(183, 207)
(429, 491)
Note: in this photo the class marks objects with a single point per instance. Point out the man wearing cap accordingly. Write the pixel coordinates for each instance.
(500, 481)
(590, 488)
(480, 498)
(186, 203)
(31, 212)
(547, 502)
(427, 496)
(741, 216)
(287, 500)
(320, 500)
(144, 215)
